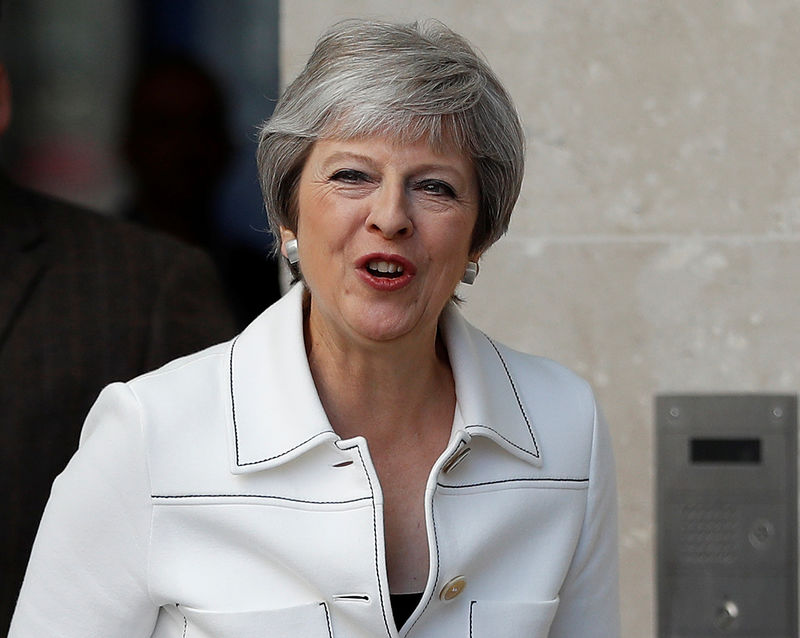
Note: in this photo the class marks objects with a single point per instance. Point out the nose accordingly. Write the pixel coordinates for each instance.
(390, 213)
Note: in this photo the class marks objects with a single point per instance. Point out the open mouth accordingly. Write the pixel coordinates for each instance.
(386, 272)
(385, 269)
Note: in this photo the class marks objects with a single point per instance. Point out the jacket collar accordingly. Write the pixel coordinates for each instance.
(486, 389)
(276, 414)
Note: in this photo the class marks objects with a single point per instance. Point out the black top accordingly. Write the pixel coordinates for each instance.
(403, 605)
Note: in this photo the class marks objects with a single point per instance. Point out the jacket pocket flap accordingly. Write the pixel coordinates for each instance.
(309, 620)
(504, 619)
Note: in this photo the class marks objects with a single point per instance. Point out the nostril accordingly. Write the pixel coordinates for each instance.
(403, 231)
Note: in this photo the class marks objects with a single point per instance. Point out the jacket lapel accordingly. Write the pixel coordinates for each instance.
(486, 388)
(276, 413)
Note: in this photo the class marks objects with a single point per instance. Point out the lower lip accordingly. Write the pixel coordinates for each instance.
(384, 284)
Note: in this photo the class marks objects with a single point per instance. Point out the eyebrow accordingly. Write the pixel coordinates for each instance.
(350, 155)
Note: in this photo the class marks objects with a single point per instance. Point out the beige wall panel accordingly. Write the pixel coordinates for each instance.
(701, 314)
(656, 245)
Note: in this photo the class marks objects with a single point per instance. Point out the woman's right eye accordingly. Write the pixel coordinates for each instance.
(349, 176)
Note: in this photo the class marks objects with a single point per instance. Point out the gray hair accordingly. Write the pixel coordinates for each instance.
(410, 81)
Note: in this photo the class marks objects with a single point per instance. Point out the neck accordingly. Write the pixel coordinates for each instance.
(385, 390)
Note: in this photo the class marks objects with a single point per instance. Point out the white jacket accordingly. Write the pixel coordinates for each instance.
(211, 498)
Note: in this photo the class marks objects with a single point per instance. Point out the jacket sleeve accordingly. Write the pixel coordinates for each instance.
(589, 598)
(87, 575)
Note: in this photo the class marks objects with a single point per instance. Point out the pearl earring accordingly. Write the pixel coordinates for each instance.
(292, 253)
(471, 273)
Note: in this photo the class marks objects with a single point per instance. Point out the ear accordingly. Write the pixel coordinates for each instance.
(5, 100)
(286, 235)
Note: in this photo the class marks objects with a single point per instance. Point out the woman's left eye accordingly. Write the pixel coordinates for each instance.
(437, 187)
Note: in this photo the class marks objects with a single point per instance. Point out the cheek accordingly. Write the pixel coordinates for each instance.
(326, 222)
(313, 233)
(324, 238)
(455, 241)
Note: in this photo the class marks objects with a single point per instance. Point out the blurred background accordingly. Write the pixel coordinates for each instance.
(656, 245)
(148, 110)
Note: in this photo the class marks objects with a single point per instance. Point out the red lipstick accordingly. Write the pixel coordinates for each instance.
(385, 272)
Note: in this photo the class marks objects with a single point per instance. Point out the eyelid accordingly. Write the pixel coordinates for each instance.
(349, 174)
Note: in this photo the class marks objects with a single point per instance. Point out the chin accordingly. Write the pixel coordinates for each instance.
(384, 329)
(382, 333)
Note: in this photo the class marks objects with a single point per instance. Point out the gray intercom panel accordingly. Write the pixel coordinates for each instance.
(727, 516)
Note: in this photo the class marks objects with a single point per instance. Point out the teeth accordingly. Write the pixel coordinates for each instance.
(385, 267)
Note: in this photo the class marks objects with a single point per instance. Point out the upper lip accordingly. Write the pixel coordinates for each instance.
(408, 266)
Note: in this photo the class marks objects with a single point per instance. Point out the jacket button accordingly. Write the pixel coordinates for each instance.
(453, 588)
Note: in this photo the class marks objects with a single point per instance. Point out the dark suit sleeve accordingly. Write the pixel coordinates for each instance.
(85, 300)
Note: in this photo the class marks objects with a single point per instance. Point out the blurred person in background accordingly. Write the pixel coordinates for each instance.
(85, 300)
(177, 145)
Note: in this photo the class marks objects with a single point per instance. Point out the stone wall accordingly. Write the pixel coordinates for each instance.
(656, 245)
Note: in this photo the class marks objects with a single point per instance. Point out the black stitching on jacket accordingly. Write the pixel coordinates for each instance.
(264, 496)
(516, 394)
(375, 538)
(239, 463)
(436, 575)
(471, 605)
(520, 480)
(328, 619)
(511, 443)
(233, 400)
(277, 456)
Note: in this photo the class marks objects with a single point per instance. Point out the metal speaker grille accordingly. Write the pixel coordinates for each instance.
(710, 535)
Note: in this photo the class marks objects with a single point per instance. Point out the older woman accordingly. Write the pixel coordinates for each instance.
(360, 461)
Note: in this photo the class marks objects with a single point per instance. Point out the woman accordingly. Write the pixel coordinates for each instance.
(360, 460)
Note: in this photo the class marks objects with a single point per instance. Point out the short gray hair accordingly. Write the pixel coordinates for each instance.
(410, 81)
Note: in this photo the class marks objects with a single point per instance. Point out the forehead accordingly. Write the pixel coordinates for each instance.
(382, 149)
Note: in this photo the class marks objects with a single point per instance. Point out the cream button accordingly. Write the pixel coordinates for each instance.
(453, 588)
